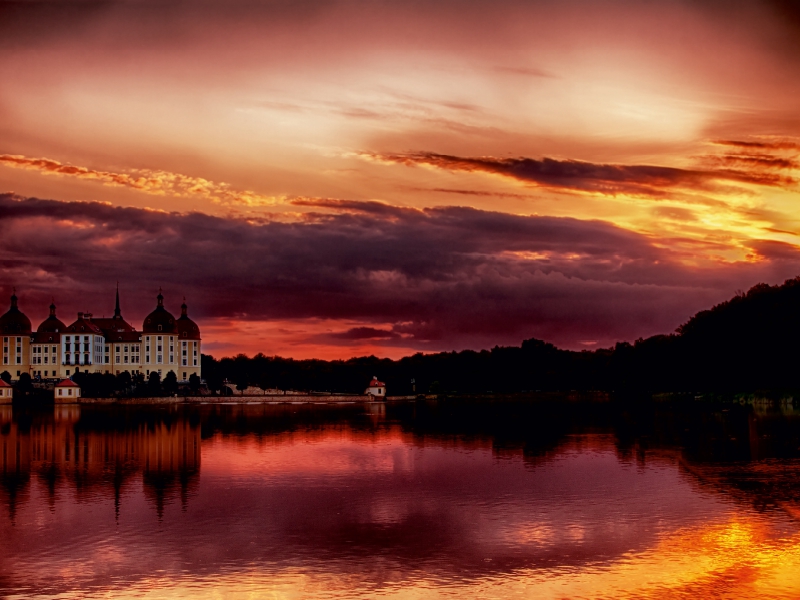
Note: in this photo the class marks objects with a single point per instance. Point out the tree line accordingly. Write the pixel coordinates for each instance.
(106, 385)
(748, 343)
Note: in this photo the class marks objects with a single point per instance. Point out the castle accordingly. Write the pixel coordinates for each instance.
(106, 345)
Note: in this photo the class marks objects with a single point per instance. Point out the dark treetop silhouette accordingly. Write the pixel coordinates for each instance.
(748, 343)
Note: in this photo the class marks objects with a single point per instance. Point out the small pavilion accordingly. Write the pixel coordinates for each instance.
(6, 393)
(66, 391)
(376, 388)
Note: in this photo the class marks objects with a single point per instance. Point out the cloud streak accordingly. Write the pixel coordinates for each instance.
(611, 179)
(154, 182)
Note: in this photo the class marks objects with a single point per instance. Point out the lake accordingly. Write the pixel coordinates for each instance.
(447, 499)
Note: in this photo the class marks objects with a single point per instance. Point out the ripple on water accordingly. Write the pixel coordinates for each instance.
(358, 508)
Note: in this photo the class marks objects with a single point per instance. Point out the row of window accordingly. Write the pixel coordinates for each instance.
(74, 360)
(68, 348)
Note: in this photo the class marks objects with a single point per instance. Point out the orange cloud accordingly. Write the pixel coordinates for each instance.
(155, 182)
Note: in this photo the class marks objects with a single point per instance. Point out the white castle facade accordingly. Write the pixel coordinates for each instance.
(100, 345)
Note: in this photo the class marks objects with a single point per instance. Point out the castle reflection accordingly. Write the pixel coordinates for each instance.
(98, 456)
(96, 452)
(508, 500)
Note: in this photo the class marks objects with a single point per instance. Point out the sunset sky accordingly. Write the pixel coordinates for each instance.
(332, 179)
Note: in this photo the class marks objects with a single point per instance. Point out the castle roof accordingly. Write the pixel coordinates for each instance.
(186, 327)
(51, 324)
(84, 324)
(160, 320)
(376, 383)
(115, 324)
(14, 321)
(111, 325)
(46, 337)
(67, 383)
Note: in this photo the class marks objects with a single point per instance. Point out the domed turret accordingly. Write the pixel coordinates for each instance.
(15, 322)
(51, 324)
(160, 320)
(187, 329)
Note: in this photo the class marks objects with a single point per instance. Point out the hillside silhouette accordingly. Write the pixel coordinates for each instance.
(748, 343)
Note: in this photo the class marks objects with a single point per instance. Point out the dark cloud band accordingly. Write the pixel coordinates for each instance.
(434, 278)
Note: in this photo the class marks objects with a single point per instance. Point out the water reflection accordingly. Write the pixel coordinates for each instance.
(98, 455)
(414, 500)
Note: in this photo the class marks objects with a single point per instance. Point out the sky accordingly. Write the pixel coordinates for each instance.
(339, 178)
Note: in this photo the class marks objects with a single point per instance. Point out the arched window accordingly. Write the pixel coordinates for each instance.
(159, 327)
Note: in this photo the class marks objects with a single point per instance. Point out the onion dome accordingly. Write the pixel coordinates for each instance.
(14, 321)
(51, 324)
(160, 320)
(187, 329)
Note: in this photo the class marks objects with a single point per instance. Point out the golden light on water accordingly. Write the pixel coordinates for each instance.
(285, 502)
(734, 559)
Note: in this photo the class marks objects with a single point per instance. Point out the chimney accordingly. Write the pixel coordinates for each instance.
(80, 315)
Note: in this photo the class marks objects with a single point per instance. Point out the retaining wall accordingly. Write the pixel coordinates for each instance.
(260, 399)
